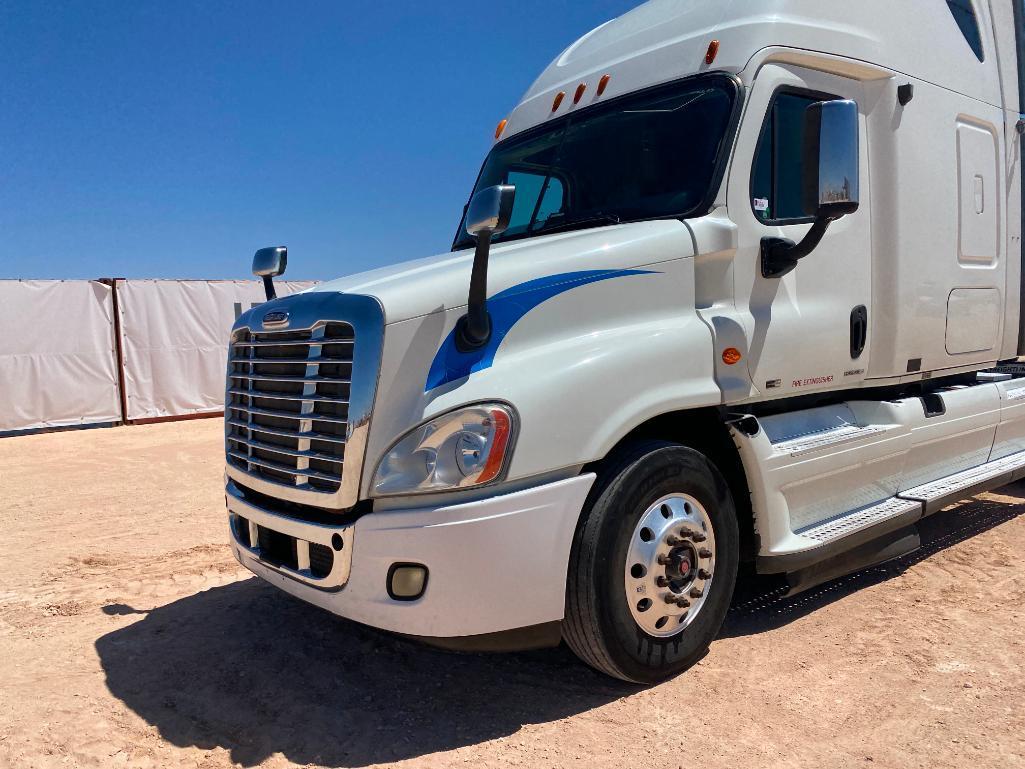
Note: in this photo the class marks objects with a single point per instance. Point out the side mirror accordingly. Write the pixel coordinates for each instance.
(831, 159)
(490, 210)
(829, 184)
(269, 263)
(488, 214)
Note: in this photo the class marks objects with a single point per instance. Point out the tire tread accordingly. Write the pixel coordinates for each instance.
(581, 625)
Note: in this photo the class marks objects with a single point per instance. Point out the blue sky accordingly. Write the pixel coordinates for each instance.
(172, 139)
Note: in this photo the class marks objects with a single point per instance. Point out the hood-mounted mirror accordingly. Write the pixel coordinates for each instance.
(489, 213)
(268, 263)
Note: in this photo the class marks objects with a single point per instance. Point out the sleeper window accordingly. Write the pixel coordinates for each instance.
(776, 178)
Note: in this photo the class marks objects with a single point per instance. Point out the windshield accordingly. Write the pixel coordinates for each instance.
(648, 156)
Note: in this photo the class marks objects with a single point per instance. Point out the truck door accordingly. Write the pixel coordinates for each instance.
(806, 331)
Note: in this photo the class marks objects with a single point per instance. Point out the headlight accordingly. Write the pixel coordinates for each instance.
(464, 448)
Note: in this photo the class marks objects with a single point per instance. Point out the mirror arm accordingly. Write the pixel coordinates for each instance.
(781, 255)
(268, 288)
(474, 329)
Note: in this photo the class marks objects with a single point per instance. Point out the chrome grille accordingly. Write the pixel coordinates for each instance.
(287, 406)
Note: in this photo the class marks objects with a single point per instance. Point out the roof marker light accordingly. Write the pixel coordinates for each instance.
(558, 100)
(603, 83)
(579, 93)
(500, 127)
(712, 52)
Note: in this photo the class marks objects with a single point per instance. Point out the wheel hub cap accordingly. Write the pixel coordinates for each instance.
(670, 565)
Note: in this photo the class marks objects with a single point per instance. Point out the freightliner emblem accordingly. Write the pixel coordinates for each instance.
(275, 318)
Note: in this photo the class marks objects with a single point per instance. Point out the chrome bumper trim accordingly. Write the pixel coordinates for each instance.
(304, 534)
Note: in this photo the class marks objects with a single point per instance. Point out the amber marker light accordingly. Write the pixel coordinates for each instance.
(500, 127)
(558, 100)
(712, 52)
(603, 83)
(579, 93)
(731, 355)
(499, 443)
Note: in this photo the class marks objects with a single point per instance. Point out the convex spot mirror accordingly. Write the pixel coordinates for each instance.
(270, 262)
(490, 210)
(831, 159)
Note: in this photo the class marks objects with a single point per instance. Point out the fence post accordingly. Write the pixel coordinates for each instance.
(118, 347)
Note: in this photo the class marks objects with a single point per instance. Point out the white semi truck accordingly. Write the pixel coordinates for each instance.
(739, 283)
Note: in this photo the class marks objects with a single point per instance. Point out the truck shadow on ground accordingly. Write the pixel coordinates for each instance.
(248, 669)
(761, 603)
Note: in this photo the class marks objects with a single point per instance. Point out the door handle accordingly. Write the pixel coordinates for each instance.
(859, 330)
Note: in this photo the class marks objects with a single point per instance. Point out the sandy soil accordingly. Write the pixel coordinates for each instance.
(129, 637)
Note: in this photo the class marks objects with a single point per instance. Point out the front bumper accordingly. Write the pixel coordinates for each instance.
(494, 565)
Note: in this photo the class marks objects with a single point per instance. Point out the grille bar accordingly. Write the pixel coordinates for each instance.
(294, 343)
(282, 468)
(270, 442)
(313, 436)
(266, 378)
(286, 397)
(271, 361)
(289, 414)
(276, 449)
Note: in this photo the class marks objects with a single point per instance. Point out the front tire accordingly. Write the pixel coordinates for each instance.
(653, 565)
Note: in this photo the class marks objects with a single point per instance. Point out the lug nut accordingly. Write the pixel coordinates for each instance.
(673, 541)
(669, 598)
(704, 574)
(663, 560)
(661, 581)
(698, 537)
(705, 552)
(683, 603)
(696, 592)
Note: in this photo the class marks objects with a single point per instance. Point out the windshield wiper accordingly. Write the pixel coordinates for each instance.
(595, 217)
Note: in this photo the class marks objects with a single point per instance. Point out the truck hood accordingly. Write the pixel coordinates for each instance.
(439, 283)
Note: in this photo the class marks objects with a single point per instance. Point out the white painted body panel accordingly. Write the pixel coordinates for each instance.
(666, 39)
(957, 440)
(1010, 433)
(581, 369)
(798, 328)
(495, 564)
(440, 283)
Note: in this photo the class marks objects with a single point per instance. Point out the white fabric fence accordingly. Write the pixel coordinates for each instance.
(59, 350)
(58, 363)
(174, 340)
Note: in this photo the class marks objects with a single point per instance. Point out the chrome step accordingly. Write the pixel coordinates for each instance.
(864, 518)
(953, 488)
(1015, 394)
(811, 442)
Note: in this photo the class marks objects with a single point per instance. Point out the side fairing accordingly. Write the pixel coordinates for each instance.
(584, 356)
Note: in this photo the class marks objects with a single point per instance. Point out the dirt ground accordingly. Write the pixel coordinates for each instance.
(129, 637)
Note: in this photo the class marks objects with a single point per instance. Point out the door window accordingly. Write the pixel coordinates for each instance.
(776, 192)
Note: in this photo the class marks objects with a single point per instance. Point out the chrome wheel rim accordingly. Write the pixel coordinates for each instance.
(670, 564)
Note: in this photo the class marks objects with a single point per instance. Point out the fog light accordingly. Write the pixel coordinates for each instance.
(407, 581)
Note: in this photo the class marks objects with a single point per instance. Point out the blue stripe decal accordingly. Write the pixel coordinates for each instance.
(506, 308)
